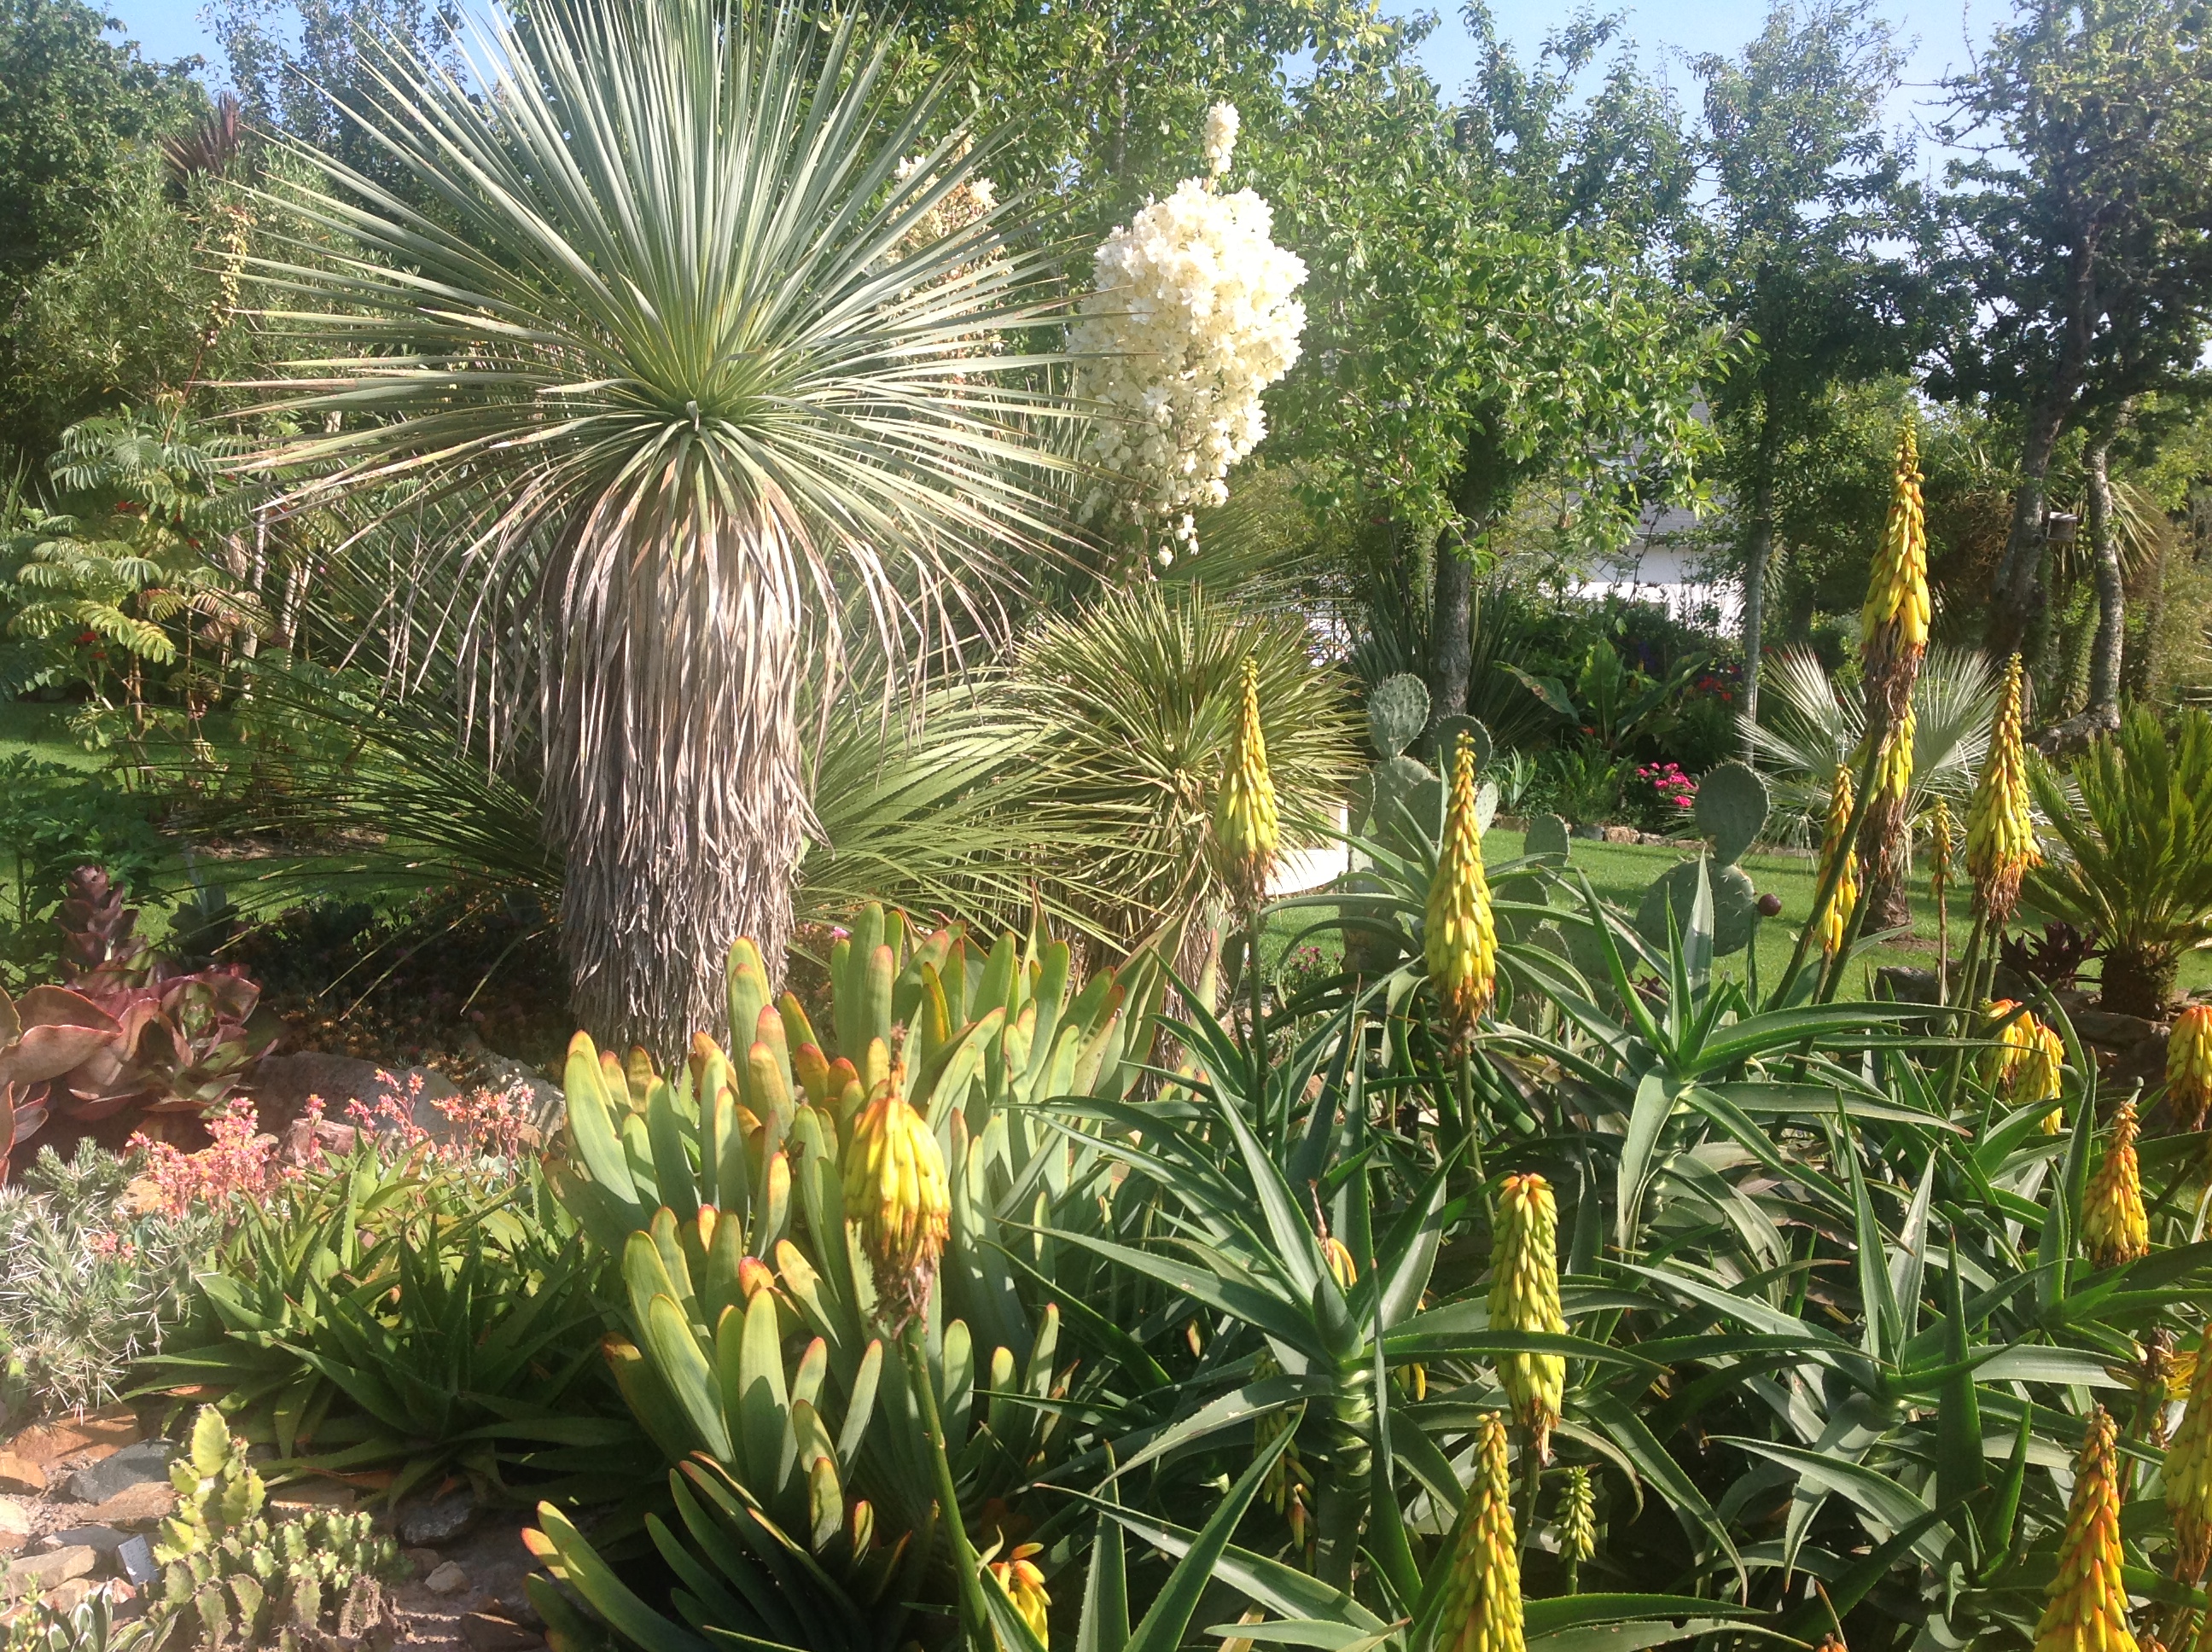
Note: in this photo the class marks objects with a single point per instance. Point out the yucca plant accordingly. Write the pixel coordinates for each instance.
(2135, 866)
(727, 361)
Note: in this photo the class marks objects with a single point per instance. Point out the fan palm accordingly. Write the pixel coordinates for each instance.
(676, 310)
(1810, 729)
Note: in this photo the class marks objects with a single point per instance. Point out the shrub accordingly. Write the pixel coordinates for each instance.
(2135, 862)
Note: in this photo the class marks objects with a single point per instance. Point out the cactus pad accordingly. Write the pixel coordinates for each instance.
(1731, 809)
(1736, 905)
(1548, 837)
(1396, 712)
(1443, 744)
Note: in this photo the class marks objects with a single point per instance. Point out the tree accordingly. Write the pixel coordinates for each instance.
(2086, 235)
(1807, 196)
(1485, 306)
(712, 368)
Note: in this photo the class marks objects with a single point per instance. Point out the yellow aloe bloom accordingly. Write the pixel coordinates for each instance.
(2088, 1607)
(1461, 939)
(1482, 1595)
(1524, 1296)
(1341, 1268)
(896, 1193)
(2189, 1472)
(1245, 826)
(1578, 1517)
(1025, 1586)
(1893, 623)
(2001, 843)
(1834, 919)
(2189, 1066)
(1939, 849)
(2114, 1229)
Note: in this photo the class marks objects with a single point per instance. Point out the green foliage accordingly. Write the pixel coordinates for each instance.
(2134, 864)
(91, 1625)
(1731, 811)
(91, 1287)
(394, 1313)
(230, 1575)
(54, 819)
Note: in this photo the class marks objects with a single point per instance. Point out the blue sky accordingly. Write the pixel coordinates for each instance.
(1663, 33)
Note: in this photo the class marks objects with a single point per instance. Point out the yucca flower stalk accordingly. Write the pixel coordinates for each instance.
(1482, 1595)
(1832, 922)
(716, 390)
(2001, 843)
(1524, 1296)
(2087, 1605)
(1461, 941)
(2114, 1229)
(1578, 1525)
(1893, 641)
(1246, 830)
(2189, 1472)
(1019, 1576)
(2189, 1066)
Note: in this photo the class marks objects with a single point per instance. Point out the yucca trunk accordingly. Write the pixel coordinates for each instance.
(675, 787)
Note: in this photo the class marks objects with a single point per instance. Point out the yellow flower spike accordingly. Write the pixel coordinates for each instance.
(1835, 918)
(1524, 1296)
(1939, 849)
(1462, 939)
(1482, 1594)
(1025, 1586)
(2188, 1473)
(1893, 623)
(2189, 1066)
(1341, 1267)
(2114, 1229)
(1246, 828)
(2088, 1607)
(897, 1194)
(1578, 1517)
(2001, 843)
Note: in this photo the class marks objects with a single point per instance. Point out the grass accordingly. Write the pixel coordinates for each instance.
(1620, 872)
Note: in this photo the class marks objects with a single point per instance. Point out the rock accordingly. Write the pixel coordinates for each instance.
(448, 1579)
(111, 1426)
(71, 1594)
(2115, 1032)
(517, 1605)
(549, 1107)
(134, 1464)
(284, 1084)
(16, 1475)
(137, 1505)
(43, 1571)
(1906, 985)
(1622, 835)
(490, 1633)
(102, 1539)
(425, 1561)
(303, 1495)
(14, 1522)
(439, 1520)
(135, 1560)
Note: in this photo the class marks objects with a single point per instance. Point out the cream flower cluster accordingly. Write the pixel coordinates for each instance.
(1221, 123)
(1191, 318)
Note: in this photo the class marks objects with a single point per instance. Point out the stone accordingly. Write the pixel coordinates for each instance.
(448, 1579)
(16, 1475)
(1622, 835)
(137, 1505)
(487, 1632)
(303, 1495)
(2116, 1031)
(43, 1571)
(111, 1426)
(135, 1560)
(425, 1561)
(14, 1523)
(71, 1594)
(134, 1464)
(439, 1520)
(103, 1540)
(517, 1605)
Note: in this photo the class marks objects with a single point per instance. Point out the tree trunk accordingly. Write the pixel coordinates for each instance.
(1758, 550)
(2102, 713)
(674, 782)
(2138, 980)
(2016, 598)
(1484, 484)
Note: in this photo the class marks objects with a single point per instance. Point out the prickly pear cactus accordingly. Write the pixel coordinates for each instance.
(1548, 837)
(1443, 742)
(1397, 711)
(1731, 811)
